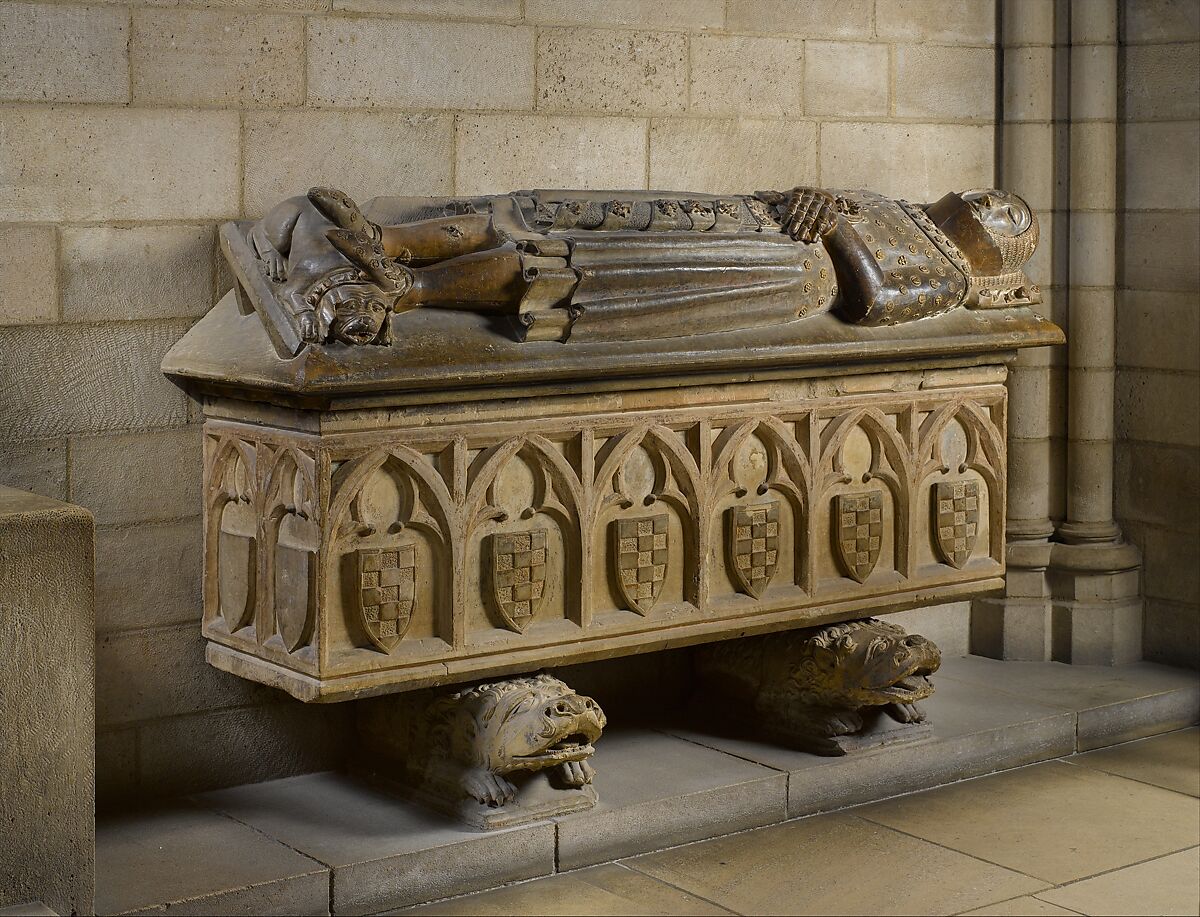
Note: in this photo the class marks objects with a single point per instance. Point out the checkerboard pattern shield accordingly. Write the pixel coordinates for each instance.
(753, 540)
(956, 519)
(387, 592)
(639, 557)
(859, 531)
(518, 575)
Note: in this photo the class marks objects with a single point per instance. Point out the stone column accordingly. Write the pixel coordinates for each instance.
(1097, 614)
(1017, 625)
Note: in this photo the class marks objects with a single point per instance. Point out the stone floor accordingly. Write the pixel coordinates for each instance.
(1076, 816)
(1115, 831)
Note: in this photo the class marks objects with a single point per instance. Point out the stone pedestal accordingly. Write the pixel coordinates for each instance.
(47, 703)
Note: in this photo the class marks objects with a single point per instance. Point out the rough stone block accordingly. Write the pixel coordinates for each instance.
(87, 378)
(58, 53)
(137, 477)
(39, 467)
(1011, 628)
(686, 14)
(1166, 575)
(1027, 22)
(1161, 20)
(118, 164)
(116, 274)
(1093, 257)
(532, 151)
(948, 626)
(731, 157)
(918, 162)
(1093, 165)
(735, 75)
(1162, 166)
(811, 19)
(659, 791)
(435, 9)
(214, 57)
(242, 746)
(1029, 84)
(963, 87)
(116, 768)
(161, 672)
(363, 153)
(384, 852)
(1171, 634)
(966, 21)
(846, 78)
(1162, 82)
(1160, 251)
(1097, 632)
(1158, 485)
(609, 71)
(397, 64)
(1141, 397)
(1093, 71)
(124, 554)
(1158, 330)
(28, 274)
(186, 860)
(47, 681)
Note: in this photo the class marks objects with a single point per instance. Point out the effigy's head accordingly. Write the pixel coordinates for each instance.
(865, 663)
(997, 233)
(529, 723)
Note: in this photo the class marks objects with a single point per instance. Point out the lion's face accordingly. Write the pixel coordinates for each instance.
(531, 723)
(868, 663)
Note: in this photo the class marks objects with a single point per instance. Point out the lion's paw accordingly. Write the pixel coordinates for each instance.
(489, 789)
(905, 713)
(576, 773)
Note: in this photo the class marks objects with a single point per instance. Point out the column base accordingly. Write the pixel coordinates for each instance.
(1017, 625)
(1097, 605)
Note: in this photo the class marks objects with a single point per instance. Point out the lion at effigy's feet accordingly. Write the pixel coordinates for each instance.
(808, 687)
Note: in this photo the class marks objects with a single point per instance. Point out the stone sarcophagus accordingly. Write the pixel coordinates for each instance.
(449, 439)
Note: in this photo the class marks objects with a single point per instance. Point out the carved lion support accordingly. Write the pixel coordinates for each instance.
(823, 689)
(495, 755)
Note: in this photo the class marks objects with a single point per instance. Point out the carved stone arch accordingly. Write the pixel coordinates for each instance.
(885, 441)
(378, 552)
(676, 484)
(788, 473)
(232, 534)
(984, 456)
(517, 556)
(291, 539)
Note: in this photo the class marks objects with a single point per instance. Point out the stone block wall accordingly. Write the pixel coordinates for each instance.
(129, 130)
(1158, 317)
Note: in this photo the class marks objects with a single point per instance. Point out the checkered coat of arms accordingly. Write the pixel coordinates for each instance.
(386, 592)
(518, 575)
(859, 519)
(753, 540)
(956, 519)
(639, 559)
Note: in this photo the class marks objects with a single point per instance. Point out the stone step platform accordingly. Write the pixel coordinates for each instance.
(328, 844)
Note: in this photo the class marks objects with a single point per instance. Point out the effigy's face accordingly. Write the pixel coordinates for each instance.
(1000, 212)
(358, 314)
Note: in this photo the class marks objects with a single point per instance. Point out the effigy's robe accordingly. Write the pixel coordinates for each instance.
(646, 264)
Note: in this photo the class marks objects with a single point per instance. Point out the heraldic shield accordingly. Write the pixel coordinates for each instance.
(860, 532)
(386, 592)
(956, 519)
(639, 558)
(518, 575)
(753, 540)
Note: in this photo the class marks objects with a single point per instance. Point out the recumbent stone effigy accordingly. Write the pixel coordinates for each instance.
(456, 439)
